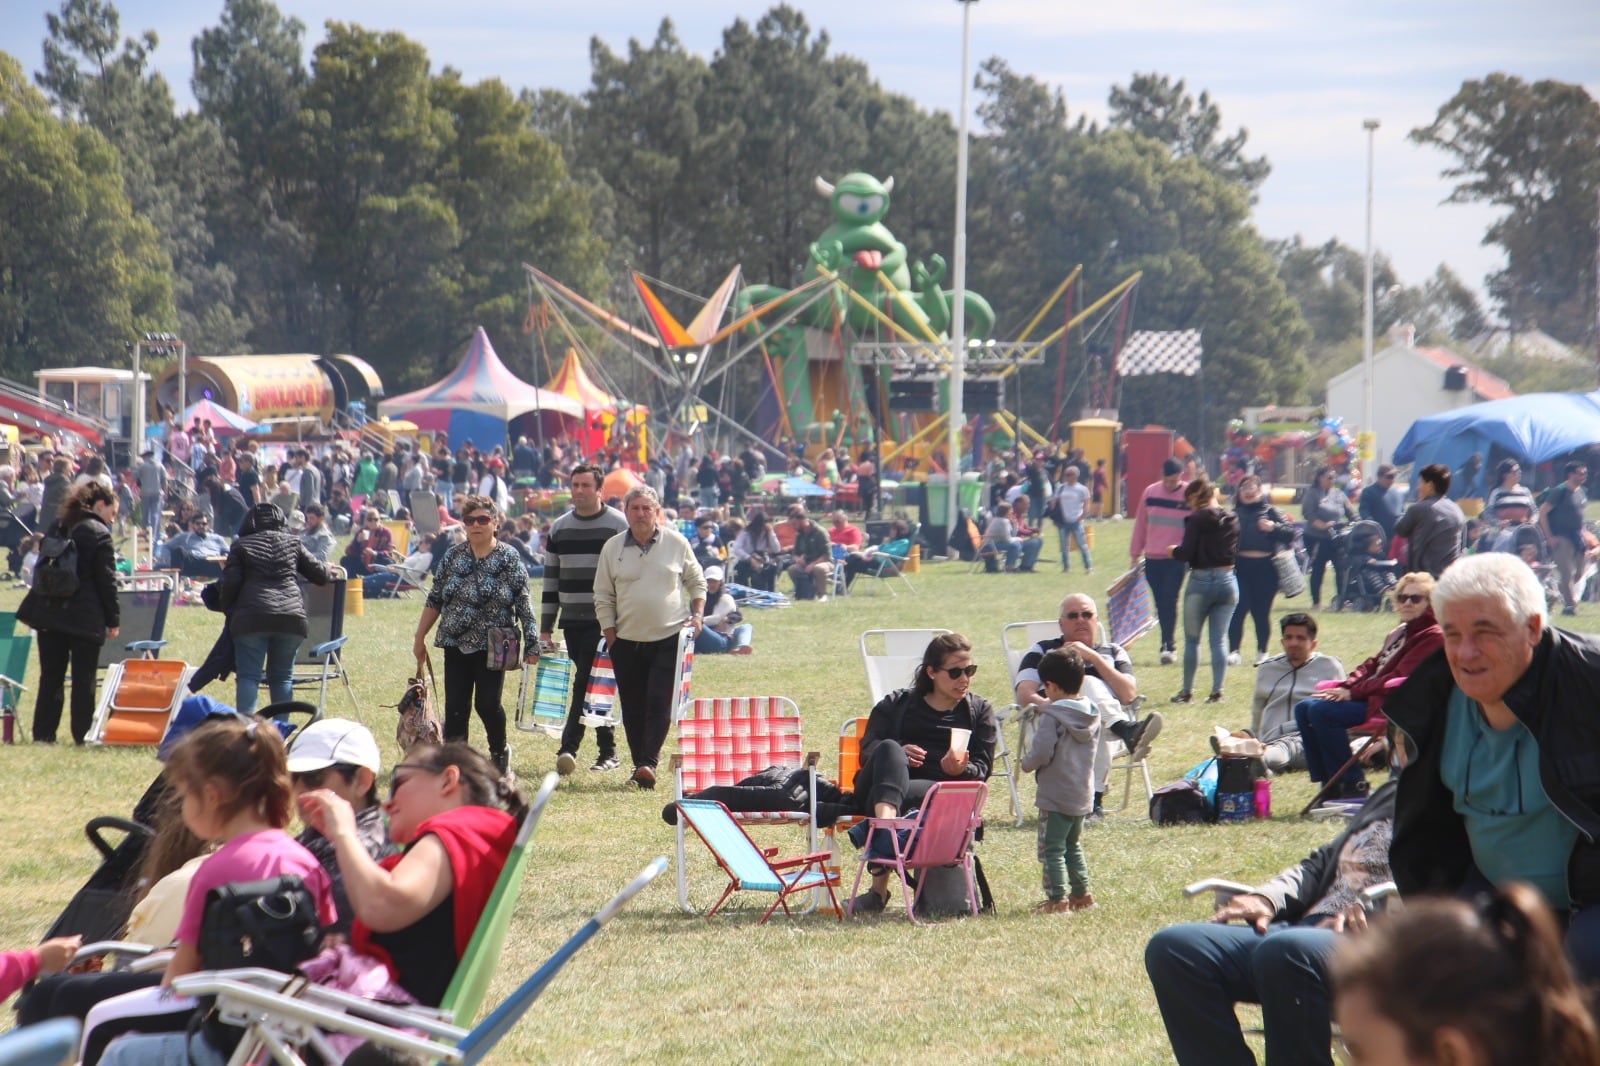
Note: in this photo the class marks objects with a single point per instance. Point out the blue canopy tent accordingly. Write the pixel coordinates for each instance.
(1533, 429)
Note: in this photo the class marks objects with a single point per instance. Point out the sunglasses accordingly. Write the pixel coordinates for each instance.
(477, 519)
(315, 778)
(395, 780)
(1409, 597)
(956, 672)
(1074, 616)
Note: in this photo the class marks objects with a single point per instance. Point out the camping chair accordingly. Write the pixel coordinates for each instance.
(14, 650)
(901, 657)
(850, 734)
(424, 506)
(321, 659)
(401, 533)
(411, 577)
(1016, 638)
(722, 741)
(46, 1044)
(278, 1024)
(138, 700)
(837, 586)
(142, 601)
(750, 867)
(940, 835)
(886, 567)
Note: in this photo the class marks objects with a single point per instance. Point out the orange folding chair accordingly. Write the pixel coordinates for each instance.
(138, 700)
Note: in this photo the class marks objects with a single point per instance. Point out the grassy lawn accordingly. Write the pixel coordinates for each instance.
(662, 986)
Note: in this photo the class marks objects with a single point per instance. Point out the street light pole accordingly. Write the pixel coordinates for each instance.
(1371, 126)
(958, 315)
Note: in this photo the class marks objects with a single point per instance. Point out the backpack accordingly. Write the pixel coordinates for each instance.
(1180, 803)
(56, 573)
(271, 923)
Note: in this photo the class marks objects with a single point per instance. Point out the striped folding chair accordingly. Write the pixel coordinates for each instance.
(721, 741)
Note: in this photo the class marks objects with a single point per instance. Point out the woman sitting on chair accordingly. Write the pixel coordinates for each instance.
(1325, 717)
(906, 747)
(414, 912)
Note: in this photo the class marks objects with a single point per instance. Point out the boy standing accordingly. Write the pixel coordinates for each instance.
(1063, 750)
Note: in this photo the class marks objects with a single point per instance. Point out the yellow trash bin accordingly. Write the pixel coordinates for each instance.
(355, 600)
(914, 560)
(1088, 535)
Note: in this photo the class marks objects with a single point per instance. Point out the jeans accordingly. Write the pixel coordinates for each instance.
(710, 642)
(1199, 971)
(1323, 725)
(163, 1049)
(1209, 600)
(1060, 846)
(1258, 587)
(646, 671)
(1068, 532)
(56, 652)
(1165, 577)
(470, 685)
(276, 651)
(708, 497)
(1020, 555)
(582, 641)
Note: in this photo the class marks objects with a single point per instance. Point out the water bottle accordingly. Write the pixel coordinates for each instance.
(1263, 804)
(8, 726)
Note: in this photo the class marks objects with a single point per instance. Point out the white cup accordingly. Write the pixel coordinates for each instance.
(959, 738)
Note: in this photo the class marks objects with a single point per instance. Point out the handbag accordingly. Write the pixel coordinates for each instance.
(600, 698)
(1291, 580)
(272, 923)
(418, 724)
(505, 647)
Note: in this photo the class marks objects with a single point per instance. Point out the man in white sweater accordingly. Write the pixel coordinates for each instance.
(647, 587)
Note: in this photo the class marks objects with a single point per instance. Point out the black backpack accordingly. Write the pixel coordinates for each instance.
(56, 572)
(1180, 803)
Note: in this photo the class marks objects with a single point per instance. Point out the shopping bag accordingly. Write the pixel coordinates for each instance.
(552, 695)
(1129, 609)
(1291, 580)
(600, 698)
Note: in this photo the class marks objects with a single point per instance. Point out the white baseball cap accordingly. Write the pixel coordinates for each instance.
(715, 573)
(334, 740)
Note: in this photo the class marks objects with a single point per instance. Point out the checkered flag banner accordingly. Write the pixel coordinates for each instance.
(1160, 352)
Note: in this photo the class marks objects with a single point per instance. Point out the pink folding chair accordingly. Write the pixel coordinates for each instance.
(940, 835)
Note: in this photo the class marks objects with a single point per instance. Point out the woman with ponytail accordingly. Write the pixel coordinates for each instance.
(1447, 982)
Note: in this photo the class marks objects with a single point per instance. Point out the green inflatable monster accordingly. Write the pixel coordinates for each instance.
(857, 247)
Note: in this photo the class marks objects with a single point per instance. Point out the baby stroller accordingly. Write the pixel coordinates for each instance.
(1368, 573)
(1525, 541)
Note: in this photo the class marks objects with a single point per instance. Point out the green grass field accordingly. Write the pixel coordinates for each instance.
(662, 986)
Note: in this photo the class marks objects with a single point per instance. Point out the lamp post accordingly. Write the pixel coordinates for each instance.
(958, 316)
(1371, 126)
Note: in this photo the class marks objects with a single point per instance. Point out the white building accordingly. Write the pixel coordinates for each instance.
(1409, 383)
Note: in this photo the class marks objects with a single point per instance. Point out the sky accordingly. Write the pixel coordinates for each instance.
(1300, 76)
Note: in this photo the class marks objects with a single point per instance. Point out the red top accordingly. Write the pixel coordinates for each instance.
(1403, 649)
(848, 537)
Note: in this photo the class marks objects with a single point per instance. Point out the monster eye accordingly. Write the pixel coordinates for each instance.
(860, 206)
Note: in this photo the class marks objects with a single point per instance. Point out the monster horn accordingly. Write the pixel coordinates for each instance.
(825, 188)
(888, 185)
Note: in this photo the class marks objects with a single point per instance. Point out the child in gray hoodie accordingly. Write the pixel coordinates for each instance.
(1062, 751)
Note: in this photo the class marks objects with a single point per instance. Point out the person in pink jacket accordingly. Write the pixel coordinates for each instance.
(17, 968)
(1157, 529)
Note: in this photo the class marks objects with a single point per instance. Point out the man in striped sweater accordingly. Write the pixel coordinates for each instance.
(1157, 529)
(571, 553)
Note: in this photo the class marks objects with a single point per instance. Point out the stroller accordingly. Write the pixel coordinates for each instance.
(1368, 573)
(1525, 541)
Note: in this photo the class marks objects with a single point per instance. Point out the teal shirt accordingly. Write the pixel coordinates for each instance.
(1514, 830)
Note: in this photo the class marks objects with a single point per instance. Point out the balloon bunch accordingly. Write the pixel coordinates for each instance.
(1337, 443)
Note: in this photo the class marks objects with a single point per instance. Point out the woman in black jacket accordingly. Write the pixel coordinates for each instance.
(1263, 531)
(1210, 546)
(266, 613)
(73, 628)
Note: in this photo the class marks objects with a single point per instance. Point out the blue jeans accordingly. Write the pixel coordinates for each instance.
(1209, 600)
(1323, 725)
(161, 1049)
(1068, 532)
(276, 651)
(710, 642)
(1199, 971)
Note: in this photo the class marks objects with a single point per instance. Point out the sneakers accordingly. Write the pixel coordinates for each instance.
(1052, 906)
(869, 902)
(1140, 736)
(1168, 657)
(566, 762)
(501, 759)
(1234, 658)
(1183, 697)
(1215, 697)
(1261, 658)
(644, 777)
(603, 763)
(1079, 901)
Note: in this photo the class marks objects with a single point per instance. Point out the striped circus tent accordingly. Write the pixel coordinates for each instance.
(483, 402)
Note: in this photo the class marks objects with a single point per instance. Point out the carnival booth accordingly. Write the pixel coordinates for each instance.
(481, 401)
(602, 412)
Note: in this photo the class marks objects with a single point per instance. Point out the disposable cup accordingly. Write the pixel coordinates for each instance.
(959, 738)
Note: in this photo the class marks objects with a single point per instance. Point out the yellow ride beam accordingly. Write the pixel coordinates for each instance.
(1126, 284)
(1044, 308)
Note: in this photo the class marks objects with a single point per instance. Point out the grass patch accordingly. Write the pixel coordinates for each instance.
(661, 986)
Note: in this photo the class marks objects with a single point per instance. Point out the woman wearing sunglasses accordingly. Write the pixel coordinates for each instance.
(907, 747)
(1324, 718)
(480, 585)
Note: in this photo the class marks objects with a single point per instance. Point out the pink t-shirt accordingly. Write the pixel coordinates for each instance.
(252, 857)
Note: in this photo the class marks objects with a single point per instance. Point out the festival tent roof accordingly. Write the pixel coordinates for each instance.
(476, 399)
(1536, 428)
(223, 421)
(572, 380)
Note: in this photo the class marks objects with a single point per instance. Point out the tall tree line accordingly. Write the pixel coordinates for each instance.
(355, 199)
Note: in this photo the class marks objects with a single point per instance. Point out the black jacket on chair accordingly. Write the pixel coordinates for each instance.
(259, 593)
(91, 610)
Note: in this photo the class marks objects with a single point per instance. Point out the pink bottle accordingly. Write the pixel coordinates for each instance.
(1263, 799)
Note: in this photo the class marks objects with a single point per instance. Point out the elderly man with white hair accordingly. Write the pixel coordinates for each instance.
(1503, 779)
(1108, 683)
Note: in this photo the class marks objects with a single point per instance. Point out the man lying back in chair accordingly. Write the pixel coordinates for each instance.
(1276, 958)
(1108, 683)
